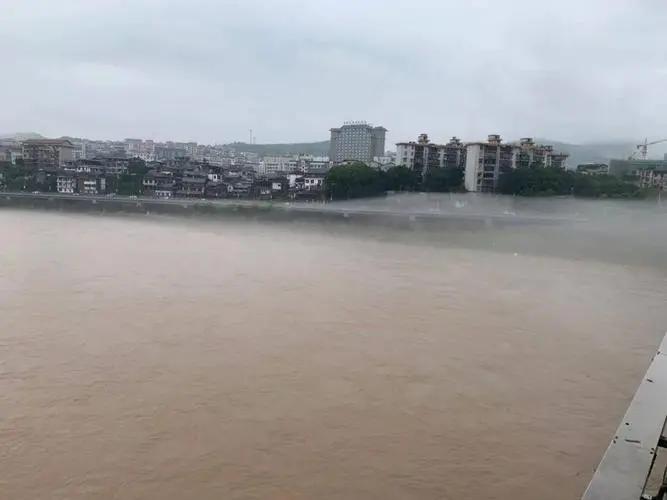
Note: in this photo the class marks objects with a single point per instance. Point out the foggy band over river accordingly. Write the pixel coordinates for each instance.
(154, 358)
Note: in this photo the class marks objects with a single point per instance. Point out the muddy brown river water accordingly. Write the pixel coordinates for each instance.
(147, 358)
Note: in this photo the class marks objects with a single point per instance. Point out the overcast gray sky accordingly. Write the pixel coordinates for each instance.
(208, 70)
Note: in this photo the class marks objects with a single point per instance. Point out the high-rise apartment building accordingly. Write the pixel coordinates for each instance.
(486, 162)
(420, 156)
(423, 155)
(529, 153)
(356, 141)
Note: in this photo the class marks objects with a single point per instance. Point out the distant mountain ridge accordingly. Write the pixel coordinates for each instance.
(22, 135)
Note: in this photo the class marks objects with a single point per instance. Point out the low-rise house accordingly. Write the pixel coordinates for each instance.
(83, 166)
(269, 188)
(262, 193)
(239, 188)
(316, 163)
(215, 176)
(279, 184)
(150, 180)
(154, 179)
(9, 154)
(159, 184)
(91, 185)
(593, 169)
(652, 178)
(115, 165)
(160, 166)
(216, 190)
(313, 180)
(193, 184)
(176, 169)
(164, 191)
(233, 173)
(169, 153)
(295, 180)
(66, 183)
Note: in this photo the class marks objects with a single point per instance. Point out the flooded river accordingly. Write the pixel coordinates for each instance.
(148, 358)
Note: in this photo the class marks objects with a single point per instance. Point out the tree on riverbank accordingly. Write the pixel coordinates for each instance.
(399, 178)
(356, 180)
(19, 177)
(444, 180)
(125, 184)
(138, 167)
(436, 180)
(537, 180)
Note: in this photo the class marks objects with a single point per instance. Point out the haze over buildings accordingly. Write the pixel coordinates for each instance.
(208, 71)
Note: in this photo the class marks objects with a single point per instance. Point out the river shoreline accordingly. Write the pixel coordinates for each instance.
(597, 237)
(270, 211)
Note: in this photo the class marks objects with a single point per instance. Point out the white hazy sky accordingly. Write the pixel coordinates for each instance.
(208, 70)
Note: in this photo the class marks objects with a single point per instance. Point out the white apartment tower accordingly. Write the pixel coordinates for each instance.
(486, 162)
(423, 155)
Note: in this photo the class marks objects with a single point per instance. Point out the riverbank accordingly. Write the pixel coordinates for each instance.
(401, 217)
(614, 232)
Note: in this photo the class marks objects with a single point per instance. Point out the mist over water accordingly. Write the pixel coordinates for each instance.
(163, 358)
(620, 232)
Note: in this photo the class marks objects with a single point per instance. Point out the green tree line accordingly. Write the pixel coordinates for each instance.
(537, 180)
(358, 180)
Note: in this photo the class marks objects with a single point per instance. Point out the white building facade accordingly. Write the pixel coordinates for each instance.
(486, 162)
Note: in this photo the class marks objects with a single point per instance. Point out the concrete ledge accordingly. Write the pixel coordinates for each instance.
(626, 466)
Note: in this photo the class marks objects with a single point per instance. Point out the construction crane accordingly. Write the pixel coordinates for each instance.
(642, 149)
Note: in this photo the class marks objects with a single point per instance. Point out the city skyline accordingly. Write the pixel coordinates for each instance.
(209, 71)
(135, 167)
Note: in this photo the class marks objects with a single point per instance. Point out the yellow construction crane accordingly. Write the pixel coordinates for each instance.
(642, 149)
